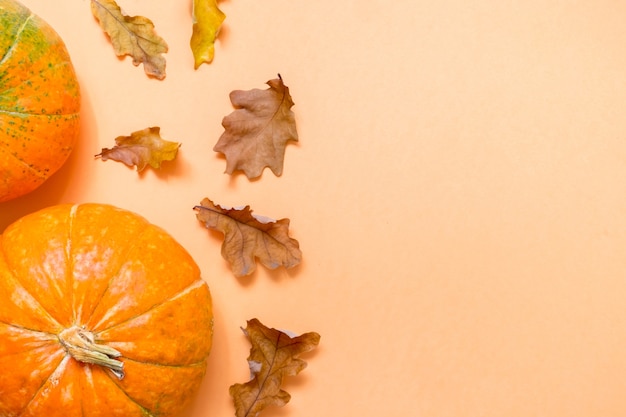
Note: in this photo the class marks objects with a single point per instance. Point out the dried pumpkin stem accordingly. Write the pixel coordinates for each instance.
(81, 345)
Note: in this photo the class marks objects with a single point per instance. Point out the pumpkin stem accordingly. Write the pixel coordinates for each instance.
(81, 345)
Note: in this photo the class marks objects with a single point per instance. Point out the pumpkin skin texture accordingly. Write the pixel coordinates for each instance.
(96, 277)
(39, 101)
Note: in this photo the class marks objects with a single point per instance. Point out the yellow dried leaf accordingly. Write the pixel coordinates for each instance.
(141, 148)
(207, 20)
(273, 356)
(132, 35)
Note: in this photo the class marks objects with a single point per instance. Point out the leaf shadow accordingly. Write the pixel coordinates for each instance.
(235, 176)
(281, 273)
(224, 34)
(168, 169)
(223, 37)
(295, 385)
(219, 238)
(247, 280)
(232, 178)
(277, 274)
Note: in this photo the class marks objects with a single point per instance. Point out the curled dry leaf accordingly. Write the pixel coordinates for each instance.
(273, 356)
(247, 237)
(141, 148)
(207, 20)
(132, 35)
(257, 132)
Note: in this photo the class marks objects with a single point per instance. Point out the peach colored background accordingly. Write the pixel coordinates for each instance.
(457, 191)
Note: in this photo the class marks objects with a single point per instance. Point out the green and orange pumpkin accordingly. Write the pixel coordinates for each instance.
(39, 101)
(101, 314)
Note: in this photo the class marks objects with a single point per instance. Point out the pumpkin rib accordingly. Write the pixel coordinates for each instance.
(58, 371)
(35, 383)
(32, 138)
(30, 168)
(96, 383)
(49, 316)
(41, 166)
(119, 383)
(24, 81)
(11, 269)
(18, 34)
(47, 115)
(127, 249)
(132, 400)
(27, 341)
(196, 284)
(131, 243)
(69, 260)
(53, 322)
(15, 92)
(133, 342)
(18, 326)
(44, 346)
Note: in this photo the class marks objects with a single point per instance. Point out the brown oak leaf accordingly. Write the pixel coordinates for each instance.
(273, 356)
(141, 148)
(248, 237)
(257, 132)
(132, 35)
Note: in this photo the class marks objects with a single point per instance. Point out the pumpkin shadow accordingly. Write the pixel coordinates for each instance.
(212, 388)
(68, 182)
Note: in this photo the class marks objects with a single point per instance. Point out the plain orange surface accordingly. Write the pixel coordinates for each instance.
(457, 191)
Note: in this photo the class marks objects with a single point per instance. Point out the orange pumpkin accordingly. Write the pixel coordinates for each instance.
(101, 314)
(39, 101)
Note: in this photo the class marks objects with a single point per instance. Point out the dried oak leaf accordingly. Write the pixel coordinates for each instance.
(273, 355)
(141, 148)
(132, 35)
(247, 237)
(257, 132)
(207, 20)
